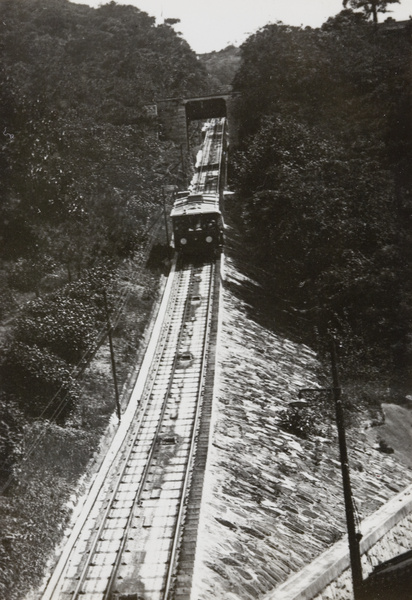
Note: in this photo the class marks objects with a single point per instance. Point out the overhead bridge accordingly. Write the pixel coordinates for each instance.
(175, 114)
(206, 108)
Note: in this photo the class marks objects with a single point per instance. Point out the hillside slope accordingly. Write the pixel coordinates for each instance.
(273, 500)
(221, 67)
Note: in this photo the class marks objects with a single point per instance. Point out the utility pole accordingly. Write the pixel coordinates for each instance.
(109, 331)
(184, 158)
(165, 216)
(353, 536)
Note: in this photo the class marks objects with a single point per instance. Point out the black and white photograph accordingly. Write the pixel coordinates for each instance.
(205, 300)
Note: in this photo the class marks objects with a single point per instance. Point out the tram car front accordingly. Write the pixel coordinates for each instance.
(198, 225)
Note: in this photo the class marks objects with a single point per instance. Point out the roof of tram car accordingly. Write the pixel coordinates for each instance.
(196, 204)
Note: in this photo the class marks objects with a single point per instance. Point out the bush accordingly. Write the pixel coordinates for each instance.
(26, 274)
(39, 381)
(65, 323)
(11, 435)
(298, 421)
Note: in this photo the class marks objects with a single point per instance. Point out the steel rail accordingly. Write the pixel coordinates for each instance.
(207, 152)
(147, 393)
(210, 184)
(107, 593)
(150, 418)
(188, 473)
(56, 580)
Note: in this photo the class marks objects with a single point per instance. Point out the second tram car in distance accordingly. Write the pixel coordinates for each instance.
(196, 215)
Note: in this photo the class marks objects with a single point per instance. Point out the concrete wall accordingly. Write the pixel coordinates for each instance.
(396, 541)
(386, 533)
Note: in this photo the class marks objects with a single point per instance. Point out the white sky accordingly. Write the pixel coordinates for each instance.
(214, 24)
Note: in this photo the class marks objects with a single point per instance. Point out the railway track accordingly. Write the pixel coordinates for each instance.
(128, 546)
(207, 179)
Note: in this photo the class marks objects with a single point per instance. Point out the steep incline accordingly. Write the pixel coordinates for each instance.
(273, 502)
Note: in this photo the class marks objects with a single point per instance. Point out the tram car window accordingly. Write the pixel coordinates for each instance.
(198, 234)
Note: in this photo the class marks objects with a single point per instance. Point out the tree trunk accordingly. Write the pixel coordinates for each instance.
(374, 12)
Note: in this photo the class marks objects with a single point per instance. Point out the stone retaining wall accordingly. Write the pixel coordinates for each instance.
(273, 502)
(386, 533)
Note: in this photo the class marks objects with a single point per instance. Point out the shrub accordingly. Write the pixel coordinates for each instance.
(26, 274)
(39, 381)
(11, 435)
(298, 421)
(65, 323)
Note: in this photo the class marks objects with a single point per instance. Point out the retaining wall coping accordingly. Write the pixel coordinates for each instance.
(313, 578)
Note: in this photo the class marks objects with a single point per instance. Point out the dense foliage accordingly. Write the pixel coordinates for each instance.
(82, 171)
(75, 147)
(324, 178)
(221, 67)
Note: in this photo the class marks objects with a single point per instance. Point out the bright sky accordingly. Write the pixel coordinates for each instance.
(214, 24)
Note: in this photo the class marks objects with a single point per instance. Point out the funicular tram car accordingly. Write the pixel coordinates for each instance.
(196, 215)
(198, 224)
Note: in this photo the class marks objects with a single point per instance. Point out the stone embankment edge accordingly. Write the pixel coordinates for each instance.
(191, 538)
(83, 509)
(199, 558)
(314, 578)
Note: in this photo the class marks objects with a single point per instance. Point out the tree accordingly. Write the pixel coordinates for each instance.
(172, 21)
(370, 7)
(322, 178)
